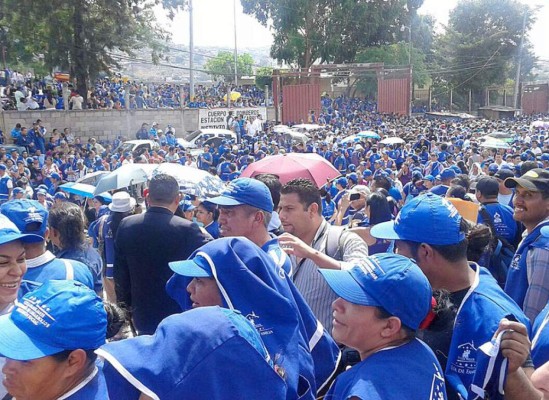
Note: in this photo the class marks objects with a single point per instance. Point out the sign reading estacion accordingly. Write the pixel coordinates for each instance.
(217, 118)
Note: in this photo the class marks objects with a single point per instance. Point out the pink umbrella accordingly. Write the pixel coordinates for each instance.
(294, 165)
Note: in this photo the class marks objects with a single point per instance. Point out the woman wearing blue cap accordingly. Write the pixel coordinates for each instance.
(12, 268)
(49, 341)
(381, 304)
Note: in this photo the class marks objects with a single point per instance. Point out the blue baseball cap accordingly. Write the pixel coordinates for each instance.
(197, 267)
(417, 175)
(26, 213)
(17, 190)
(60, 196)
(245, 191)
(353, 177)
(3, 167)
(386, 280)
(427, 218)
(447, 174)
(544, 157)
(366, 173)
(9, 232)
(429, 178)
(186, 205)
(59, 315)
(342, 181)
(493, 167)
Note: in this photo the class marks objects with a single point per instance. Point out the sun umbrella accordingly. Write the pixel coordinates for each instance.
(393, 140)
(126, 175)
(234, 96)
(351, 138)
(499, 135)
(540, 124)
(493, 143)
(294, 165)
(92, 178)
(368, 135)
(84, 190)
(191, 180)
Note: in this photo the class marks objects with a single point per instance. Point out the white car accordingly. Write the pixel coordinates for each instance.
(138, 146)
(197, 138)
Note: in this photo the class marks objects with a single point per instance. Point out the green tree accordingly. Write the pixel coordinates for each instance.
(264, 77)
(309, 31)
(481, 43)
(83, 37)
(223, 65)
(391, 55)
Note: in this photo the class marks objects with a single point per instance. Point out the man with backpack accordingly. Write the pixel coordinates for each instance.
(528, 278)
(499, 218)
(313, 243)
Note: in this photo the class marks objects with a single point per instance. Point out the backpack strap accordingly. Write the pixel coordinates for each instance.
(334, 242)
(69, 274)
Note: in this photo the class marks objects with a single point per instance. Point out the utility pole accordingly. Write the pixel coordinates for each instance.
(519, 64)
(191, 52)
(235, 49)
(4, 57)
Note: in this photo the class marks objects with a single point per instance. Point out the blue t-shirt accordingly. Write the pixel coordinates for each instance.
(377, 377)
(55, 268)
(502, 219)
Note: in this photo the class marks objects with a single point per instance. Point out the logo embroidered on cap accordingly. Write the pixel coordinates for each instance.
(33, 216)
(35, 312)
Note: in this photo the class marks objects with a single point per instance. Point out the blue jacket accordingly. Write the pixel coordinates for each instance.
(517, 284)
(251, 283)
(410, 371)
(540, 338)
(206, 353)
(478, 317)
(94, 389)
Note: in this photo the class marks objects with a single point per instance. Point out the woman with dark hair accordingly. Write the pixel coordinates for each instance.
(405, 174)
(207, 214)
(377, 210)
(463, 167)
(66, 223)
(328, 205)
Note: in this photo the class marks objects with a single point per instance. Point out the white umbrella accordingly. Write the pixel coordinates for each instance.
(191, 180)
(126, 175)
(368, 135)
(92, 178)
(393, 140)
(352, 138)
(493, 143)
(540, 124)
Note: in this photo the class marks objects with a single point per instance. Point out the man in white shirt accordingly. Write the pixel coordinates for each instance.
(76, 101)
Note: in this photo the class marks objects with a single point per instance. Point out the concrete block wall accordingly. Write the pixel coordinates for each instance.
(101, 124)
(105, 124)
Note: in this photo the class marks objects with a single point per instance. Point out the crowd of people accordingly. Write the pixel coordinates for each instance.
(419, 272)
(28, 93)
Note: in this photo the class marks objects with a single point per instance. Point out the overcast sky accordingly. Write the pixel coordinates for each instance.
(213, 24)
